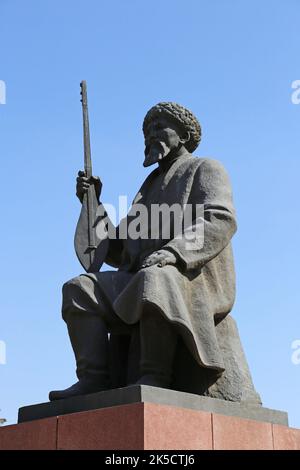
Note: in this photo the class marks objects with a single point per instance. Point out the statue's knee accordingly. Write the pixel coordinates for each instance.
(84, 283)
(72, 290)
(75, 281)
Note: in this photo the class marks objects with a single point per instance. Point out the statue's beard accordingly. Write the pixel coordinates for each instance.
(155, 152)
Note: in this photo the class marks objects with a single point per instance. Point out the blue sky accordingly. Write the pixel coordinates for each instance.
(233, 64)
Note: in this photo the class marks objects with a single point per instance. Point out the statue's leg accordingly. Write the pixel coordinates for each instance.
(88, 333)
(158, 344)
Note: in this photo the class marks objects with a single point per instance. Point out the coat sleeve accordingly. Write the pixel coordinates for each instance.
(212, 231)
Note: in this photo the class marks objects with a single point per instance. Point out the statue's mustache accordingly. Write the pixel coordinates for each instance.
(154, 144)
(155, 151)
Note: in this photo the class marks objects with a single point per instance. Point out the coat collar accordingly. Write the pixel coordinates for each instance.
(166, 175)
(170, 169)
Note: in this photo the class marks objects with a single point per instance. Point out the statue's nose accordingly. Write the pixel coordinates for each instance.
(151, 137)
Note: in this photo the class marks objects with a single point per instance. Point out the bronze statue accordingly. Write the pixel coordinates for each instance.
(162, 318)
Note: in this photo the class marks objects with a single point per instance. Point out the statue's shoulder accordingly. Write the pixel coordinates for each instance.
(210, 170)
(207, 162)
(209, 165)
(195, 165)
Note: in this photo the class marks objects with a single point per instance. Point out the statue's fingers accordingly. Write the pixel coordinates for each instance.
(151, 262)
(162, 263)
(145, 264)
(167, 260)
(81, 173)
(95, 179)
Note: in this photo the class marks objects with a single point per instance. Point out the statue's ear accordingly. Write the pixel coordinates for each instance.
(185, 137)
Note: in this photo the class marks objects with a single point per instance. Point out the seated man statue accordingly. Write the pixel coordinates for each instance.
(166, 289)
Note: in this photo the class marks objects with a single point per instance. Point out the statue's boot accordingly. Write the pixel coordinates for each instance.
(158, 344)
(89, 339)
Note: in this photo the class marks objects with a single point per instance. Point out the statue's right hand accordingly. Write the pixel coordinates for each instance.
(83, 184)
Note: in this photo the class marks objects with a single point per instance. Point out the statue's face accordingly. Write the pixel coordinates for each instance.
(162, 137)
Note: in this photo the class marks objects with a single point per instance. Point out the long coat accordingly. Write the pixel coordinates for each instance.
(200, 290)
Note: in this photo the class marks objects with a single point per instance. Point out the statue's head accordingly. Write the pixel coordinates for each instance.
(168, 128)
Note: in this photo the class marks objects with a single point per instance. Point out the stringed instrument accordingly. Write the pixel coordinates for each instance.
(91, 250)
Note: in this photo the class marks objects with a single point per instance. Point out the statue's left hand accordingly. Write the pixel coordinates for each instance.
(160, 258)
(83, 184)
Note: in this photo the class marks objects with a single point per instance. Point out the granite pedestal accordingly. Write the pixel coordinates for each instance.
(146, 394)
(146, 418)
